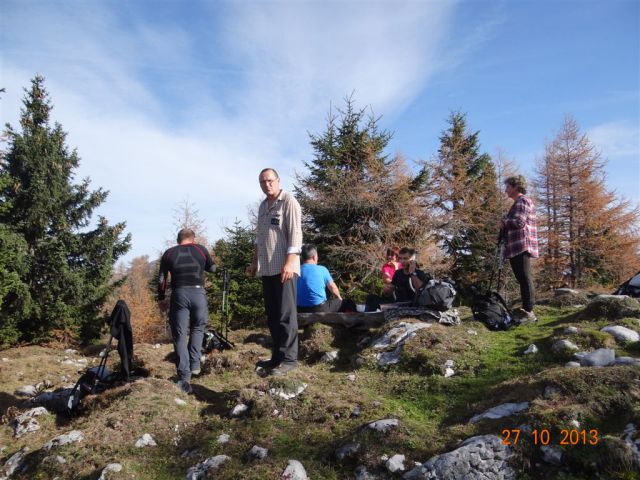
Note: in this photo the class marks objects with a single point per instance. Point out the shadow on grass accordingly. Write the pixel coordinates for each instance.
(7, 400)
(218, 402)
(261, 339)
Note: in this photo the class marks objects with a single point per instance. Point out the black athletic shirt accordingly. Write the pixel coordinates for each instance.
(187, 264)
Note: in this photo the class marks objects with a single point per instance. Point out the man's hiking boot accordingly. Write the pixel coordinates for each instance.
(283, 369)
(195, 371)
(521, 316)
(184, 386)
(266, 364)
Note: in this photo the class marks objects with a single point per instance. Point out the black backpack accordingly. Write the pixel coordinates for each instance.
(491, 309)
(436, 294)
(212, 340)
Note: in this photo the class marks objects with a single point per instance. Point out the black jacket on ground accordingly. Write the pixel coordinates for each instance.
(120, 322)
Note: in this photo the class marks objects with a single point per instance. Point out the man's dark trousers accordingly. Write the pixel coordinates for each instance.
(521, 266)
(280, 305)
(188, 318)
(332, 305)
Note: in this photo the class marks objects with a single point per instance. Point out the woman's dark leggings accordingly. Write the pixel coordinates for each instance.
(521, 266)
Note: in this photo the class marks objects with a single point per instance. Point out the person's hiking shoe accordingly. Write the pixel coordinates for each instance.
(184, 386)
(266, 364)
(283, 369)
(195, 371)
(521, 316)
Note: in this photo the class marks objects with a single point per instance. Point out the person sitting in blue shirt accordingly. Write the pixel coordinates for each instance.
(313, 283)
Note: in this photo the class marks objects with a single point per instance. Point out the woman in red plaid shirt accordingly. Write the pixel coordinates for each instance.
(520, 234)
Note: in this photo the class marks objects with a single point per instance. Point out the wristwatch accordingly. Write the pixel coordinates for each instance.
(414, 274)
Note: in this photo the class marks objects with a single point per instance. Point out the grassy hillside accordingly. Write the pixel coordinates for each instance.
(341, 397)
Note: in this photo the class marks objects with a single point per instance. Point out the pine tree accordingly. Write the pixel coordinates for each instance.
(467, 201)
(355, 199)
(588, 234)
(232, 254)
(69, 263)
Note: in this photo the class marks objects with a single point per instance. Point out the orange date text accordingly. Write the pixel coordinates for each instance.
(543, 436)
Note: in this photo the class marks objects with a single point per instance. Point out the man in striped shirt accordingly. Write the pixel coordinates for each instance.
(520, 235)
(277, 261)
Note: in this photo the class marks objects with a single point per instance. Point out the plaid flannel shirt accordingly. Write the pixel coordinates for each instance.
(279, 233)
(521, 231)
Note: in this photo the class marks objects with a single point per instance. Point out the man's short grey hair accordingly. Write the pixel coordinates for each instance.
(308, 252)
(269, 169)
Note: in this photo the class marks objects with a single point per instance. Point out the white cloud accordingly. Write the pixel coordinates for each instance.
(616, 139)
(157, 115)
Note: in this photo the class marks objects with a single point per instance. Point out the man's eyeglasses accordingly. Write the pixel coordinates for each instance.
(268, 181)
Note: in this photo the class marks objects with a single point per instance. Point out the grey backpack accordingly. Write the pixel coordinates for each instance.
(436, 294)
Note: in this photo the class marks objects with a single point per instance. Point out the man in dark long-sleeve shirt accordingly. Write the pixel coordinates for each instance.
(188, 312)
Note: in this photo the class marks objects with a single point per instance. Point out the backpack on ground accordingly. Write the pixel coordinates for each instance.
(436, 294)
(491, 309)
(97, 379)
(631, 287)
(213, 340)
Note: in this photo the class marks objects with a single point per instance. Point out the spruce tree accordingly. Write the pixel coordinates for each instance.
(69, 261)
(232, 254)
(467, 201)
(356, 199)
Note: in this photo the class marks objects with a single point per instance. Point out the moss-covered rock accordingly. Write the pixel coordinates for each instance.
(315, 340)
(568, 298)
(610, 307)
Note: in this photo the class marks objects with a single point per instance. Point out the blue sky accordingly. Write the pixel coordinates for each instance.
(167, 100)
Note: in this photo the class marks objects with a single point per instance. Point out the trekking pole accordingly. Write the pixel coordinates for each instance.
(224, 315)
(224, 298)
(224, 311)
(497, 262)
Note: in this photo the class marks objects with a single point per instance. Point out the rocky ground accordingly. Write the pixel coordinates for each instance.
(414, 399)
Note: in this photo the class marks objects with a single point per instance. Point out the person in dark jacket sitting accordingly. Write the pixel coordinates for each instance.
(406, 282)
(409, 279)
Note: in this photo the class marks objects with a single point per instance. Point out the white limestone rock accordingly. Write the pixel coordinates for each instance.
(564, 346)
(294, 471)
(329, 357)
(384, 425)
(239, 410)
(207, 468)
(73, 436)
(396, 463)
(15, 463)
(477, 458)
(288, 391)
(399, 334)
(504, 410)
(257, 453)
(146, 441)
(111, 467)
(621, 333)
(627, 361)
(601, 357)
